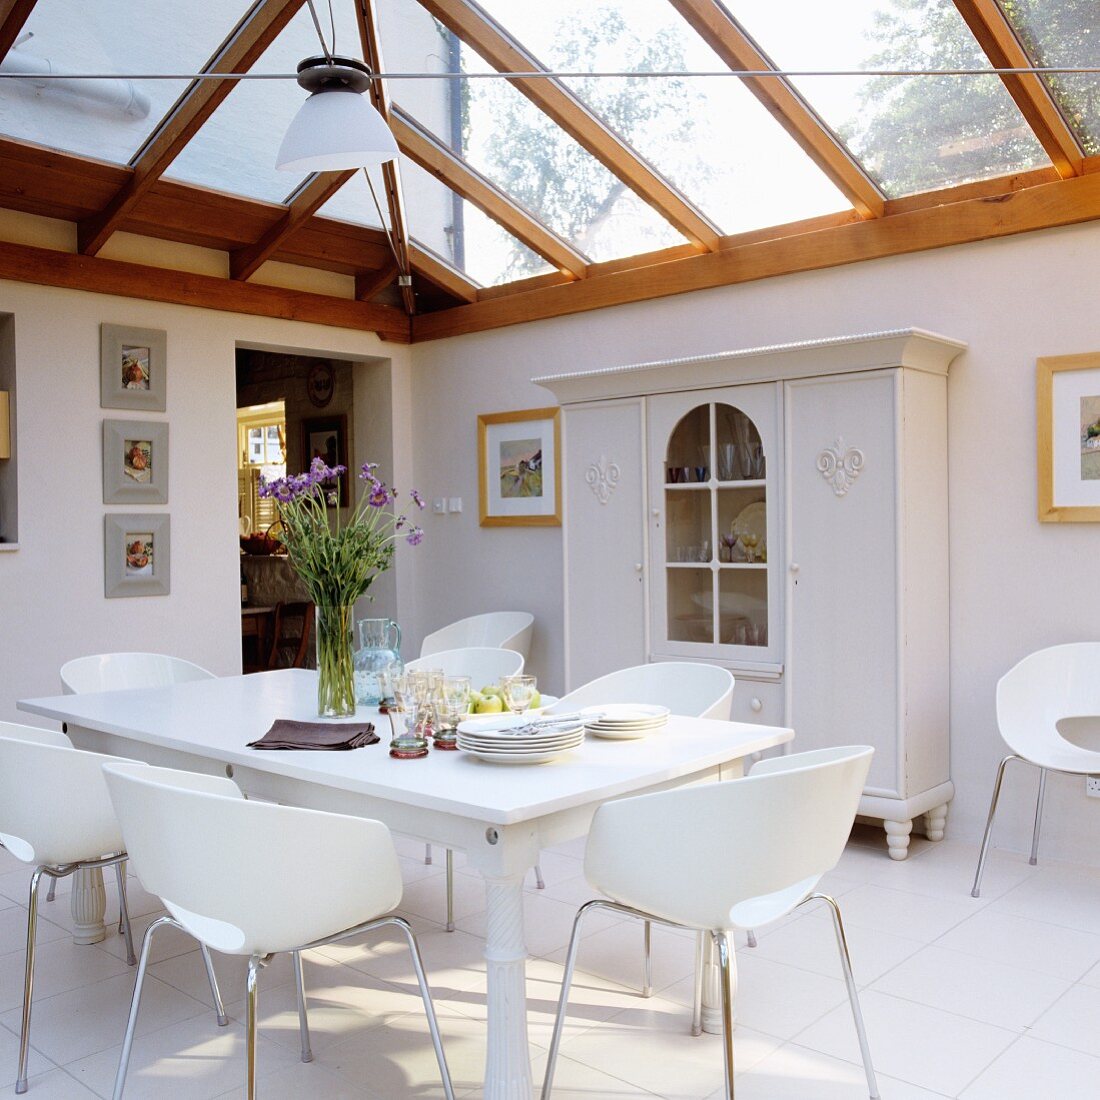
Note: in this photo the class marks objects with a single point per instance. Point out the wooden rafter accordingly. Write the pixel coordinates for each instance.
(505, 54)
(434, 157)
(996, 37)
(237, 54)
(13, 15)
(714, 24)
(245, 262)
(443, 275)
(1062, 202)
(370, 283)
(380, 97)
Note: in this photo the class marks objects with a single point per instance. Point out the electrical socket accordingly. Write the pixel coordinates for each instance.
(1092, 786)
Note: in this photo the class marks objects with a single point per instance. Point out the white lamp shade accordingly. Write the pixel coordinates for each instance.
(5, 427)
(336, 128)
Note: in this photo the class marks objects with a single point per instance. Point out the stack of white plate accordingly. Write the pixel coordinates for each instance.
(518, 739)
(624, 721)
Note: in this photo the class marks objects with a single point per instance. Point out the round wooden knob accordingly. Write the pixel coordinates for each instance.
(756, 705)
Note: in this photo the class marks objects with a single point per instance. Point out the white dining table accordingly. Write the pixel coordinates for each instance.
(500, 815)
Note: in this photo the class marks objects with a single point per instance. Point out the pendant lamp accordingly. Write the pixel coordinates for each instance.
(337, 127)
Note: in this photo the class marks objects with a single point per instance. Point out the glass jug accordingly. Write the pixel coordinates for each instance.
(379, 650)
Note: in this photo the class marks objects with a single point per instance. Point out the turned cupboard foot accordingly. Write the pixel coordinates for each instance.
(934, 822)
(897, 836)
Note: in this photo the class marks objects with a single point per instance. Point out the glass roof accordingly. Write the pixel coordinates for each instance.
(710, 137)
(1064, 33)
(109, 120)
(499, 132)
(910, 133)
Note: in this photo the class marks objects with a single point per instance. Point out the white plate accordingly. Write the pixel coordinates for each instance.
(618, 734)
(516, 758)
(616, 714)
(522, 746)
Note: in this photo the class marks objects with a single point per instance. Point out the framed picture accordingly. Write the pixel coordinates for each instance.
(133, 368)
(519, 468)
(1068, 411)
(135, 462)
(327, 437)
(137, 554)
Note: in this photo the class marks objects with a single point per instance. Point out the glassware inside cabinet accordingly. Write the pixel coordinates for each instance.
(743, 606)
(690, 604)
(738, 449)
(687, 526)
(688, 458)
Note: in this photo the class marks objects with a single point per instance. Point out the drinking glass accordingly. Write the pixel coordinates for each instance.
(749, 541)
(518, 692)
(453, 707)
(408, 741)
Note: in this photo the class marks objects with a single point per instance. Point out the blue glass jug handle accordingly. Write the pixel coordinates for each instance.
(397, 629)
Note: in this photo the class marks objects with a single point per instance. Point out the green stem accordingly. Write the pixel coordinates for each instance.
(335, 671)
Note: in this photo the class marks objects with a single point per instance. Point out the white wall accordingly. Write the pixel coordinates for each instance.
(1016, 584)
(52, 605)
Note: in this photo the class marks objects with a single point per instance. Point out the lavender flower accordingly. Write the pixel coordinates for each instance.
(419, 500)
(415, 536)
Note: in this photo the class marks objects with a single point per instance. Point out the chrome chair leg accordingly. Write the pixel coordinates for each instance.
(722, 949)
(135, 1002)
(428, 854)
(124, 914)
(697, 1002)
(540, 882)
(976, 890)
(1038, 816)
(255, 964)
(647, 960)
(303, 1018)
(215, 993)
(853, 993)
(563, 997)
(429, 1008)
(28, 979)
(750, 937)
(450, 890)
(52, 892)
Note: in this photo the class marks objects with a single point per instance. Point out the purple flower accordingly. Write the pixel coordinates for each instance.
(418, 499)
(380, 496)
(415, 537)
(366, 472)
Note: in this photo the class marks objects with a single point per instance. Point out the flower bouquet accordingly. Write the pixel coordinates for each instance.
(337, 561)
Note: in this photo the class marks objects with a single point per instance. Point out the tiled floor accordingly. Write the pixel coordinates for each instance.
(990, 999)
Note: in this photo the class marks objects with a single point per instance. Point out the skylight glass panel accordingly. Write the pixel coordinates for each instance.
(459, 233)
(236, 147)
(511, 142)
(107, 119)
(709, 136)
(910, 134)
(1064, 33)
(353, 202)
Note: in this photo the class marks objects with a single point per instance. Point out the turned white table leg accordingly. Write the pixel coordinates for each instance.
(712, 987)
(88, 905)
(934, 822)
(507, 1060)
(897, 836)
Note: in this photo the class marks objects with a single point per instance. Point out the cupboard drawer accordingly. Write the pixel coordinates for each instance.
(759, 701)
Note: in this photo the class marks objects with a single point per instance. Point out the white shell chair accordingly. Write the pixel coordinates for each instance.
(770, 838)
(122, 672)
(496, 629)
(36, 762)
(484, 665)
(254, 878)
(1050, 684)
(687, 688)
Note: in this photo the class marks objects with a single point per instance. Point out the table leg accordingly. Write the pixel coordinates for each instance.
(712, 986)
(89, 903)
(507, 1060)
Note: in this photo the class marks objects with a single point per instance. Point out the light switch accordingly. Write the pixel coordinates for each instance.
(456, 504)
(439, 506)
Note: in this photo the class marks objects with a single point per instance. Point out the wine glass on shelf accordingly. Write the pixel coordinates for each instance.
(518, 691)
(728, 543)
(750, 540)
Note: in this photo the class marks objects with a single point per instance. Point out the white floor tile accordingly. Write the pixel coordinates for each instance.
(57, 1084)
(1074, 1021)
(1057, 894)
(902, 913)
(925, 1046)
(427, 897)
(949, 872)
(13, 930)
(576, 1081)
(187, 973)
(1030, 1069)
(37, 1062)
(59, 965)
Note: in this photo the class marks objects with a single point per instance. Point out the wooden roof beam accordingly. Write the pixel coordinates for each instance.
(13, 15)
(370, 283)
(996, 37)
(434, 157)
(399, 226)
(245, 262)
(443, 275)
(237, 54)
(505, 54)
(714, 24)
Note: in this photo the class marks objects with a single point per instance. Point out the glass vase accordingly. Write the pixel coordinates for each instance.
(335, 668)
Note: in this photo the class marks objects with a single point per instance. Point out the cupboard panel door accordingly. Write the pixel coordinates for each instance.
(604, 500)
(842, 566)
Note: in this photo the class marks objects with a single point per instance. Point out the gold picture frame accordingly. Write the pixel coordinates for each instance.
(1067, 407)
(519, 468)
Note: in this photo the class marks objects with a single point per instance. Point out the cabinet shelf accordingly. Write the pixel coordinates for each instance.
(743, 565)
(711, 483)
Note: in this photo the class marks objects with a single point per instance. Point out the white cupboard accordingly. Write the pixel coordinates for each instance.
(780, 511)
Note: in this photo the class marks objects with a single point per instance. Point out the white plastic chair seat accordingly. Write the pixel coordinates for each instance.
(483, 664)
(686, 687)
(494, 629)
(123, 671)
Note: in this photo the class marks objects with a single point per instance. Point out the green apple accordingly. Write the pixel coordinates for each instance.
(492, 689)
(489, 704)
(536, 701)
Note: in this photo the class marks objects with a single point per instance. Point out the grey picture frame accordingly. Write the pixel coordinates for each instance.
(136, 351)
(135, 462)
(125, 573)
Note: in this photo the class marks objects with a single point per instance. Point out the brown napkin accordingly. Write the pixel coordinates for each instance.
(287, 734)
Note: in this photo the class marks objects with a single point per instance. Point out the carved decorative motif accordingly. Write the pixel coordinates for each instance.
(840, 466)
(603, 478)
